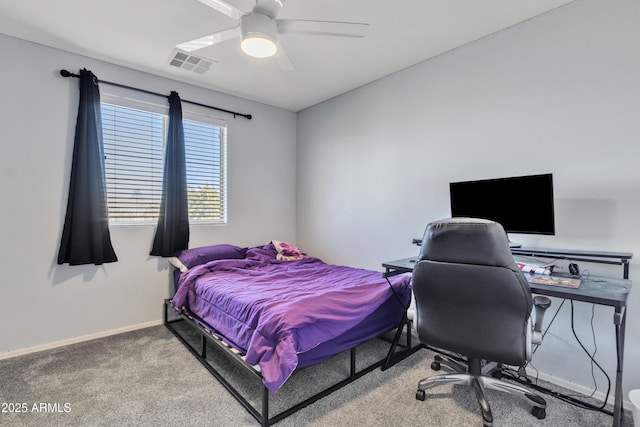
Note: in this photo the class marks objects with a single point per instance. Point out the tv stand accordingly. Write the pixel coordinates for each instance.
(513, 244)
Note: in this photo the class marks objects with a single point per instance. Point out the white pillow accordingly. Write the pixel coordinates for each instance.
(178, 264)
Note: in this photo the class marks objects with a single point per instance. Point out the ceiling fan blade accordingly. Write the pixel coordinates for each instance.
(268, 7)
(321, 28)
(283, 60)
(224, 7)
(211, 39)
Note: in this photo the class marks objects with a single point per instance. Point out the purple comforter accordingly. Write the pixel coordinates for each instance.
(275, 309)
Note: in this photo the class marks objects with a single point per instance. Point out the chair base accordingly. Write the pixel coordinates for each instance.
(479, 378)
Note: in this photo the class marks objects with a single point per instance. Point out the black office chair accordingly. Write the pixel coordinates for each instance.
(472, 300)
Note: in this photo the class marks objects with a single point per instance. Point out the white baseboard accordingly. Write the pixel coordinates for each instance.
(599, 395)
(75, 340)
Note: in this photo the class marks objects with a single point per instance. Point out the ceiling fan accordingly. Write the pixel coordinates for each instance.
(259, 29)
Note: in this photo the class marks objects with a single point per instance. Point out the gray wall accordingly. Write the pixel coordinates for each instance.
(559, 93)
(44, 303)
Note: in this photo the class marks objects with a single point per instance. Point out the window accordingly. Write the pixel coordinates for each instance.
(133, 146)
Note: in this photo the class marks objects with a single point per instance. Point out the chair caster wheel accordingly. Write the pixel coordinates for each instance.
(538, 412)
(421, 395)
(435, 366)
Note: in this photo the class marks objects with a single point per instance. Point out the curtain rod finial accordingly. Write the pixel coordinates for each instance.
(65, 73)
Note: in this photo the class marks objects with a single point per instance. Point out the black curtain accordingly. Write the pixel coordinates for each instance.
(172, 233)
(85, 236)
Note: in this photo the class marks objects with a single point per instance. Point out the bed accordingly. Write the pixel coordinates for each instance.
(277, 309)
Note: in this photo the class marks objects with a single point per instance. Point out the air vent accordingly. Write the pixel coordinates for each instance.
(190, 62)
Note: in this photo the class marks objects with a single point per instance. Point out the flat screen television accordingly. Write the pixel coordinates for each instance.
(521, 204)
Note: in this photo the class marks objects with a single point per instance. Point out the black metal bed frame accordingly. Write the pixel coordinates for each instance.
(262, 416)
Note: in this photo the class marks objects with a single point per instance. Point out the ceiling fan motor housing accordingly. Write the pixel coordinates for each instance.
(259, 33)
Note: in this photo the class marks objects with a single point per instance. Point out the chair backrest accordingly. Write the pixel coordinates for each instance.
(471, 298)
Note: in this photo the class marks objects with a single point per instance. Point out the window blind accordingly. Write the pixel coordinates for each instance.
(204, 157)
(133, 146)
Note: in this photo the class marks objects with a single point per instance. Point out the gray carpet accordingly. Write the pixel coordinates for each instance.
(148, 378)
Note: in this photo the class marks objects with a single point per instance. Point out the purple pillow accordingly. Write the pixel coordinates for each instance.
(189, 258)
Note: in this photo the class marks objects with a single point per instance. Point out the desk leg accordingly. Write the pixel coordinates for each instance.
(404, 322)
(620, 322)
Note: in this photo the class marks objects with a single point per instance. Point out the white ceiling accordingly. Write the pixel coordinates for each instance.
(142, 34)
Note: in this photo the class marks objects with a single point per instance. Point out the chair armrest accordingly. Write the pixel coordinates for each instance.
(540, 304)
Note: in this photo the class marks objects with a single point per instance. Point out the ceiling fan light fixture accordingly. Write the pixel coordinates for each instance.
(258, 46)
(258, 35)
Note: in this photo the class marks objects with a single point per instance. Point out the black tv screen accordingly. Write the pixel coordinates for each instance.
(521, 204)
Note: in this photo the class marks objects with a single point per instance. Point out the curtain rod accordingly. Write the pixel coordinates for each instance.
(65, 73)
